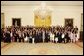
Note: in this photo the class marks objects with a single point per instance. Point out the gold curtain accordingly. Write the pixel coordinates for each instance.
(39, 22)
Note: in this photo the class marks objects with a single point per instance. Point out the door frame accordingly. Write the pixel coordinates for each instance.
(16, 19)
(69, 19)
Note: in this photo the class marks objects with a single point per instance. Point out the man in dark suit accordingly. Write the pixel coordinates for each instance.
(59, 37)
(15, 36)
(66, 37)
(4, 37)
(22, 35)
(46, 36)
(30, 37)
(40, 36)
(33, 36)
(8, 38)
(36, 37)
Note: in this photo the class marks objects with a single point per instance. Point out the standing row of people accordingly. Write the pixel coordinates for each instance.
(55, 34)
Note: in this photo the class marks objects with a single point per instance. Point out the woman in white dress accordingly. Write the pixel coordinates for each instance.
(11, 36)
(71, 36)
(52, 37)
(76, 37)
(25, 37)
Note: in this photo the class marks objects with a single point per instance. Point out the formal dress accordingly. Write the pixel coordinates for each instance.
(52, 37)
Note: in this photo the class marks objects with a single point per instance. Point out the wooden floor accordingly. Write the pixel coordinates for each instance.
(42, 49)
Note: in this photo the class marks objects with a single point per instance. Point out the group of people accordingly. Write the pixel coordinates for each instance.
(31, 34)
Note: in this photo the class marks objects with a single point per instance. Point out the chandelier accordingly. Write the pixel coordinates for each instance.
(43, 11)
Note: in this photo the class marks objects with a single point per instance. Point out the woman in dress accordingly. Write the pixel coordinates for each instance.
(72, 36)
(52, 37)
(56, 37)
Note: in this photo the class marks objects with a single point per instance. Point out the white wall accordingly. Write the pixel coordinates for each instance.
(62, 12)
(27, 16)
(23, 12)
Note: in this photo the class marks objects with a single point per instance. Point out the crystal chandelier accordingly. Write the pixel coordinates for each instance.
(43, 11)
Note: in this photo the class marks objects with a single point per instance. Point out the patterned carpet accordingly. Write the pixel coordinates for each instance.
(42, 49)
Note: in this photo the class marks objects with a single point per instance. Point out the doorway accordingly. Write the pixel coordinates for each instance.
(16, 21)
(69, 22)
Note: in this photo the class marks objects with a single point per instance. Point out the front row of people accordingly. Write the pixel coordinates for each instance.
(56, 37)
(40, 35)
(64, 37)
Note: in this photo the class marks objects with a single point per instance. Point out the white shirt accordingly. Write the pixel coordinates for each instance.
(63, 35)
(11, 34)
(52, 36)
